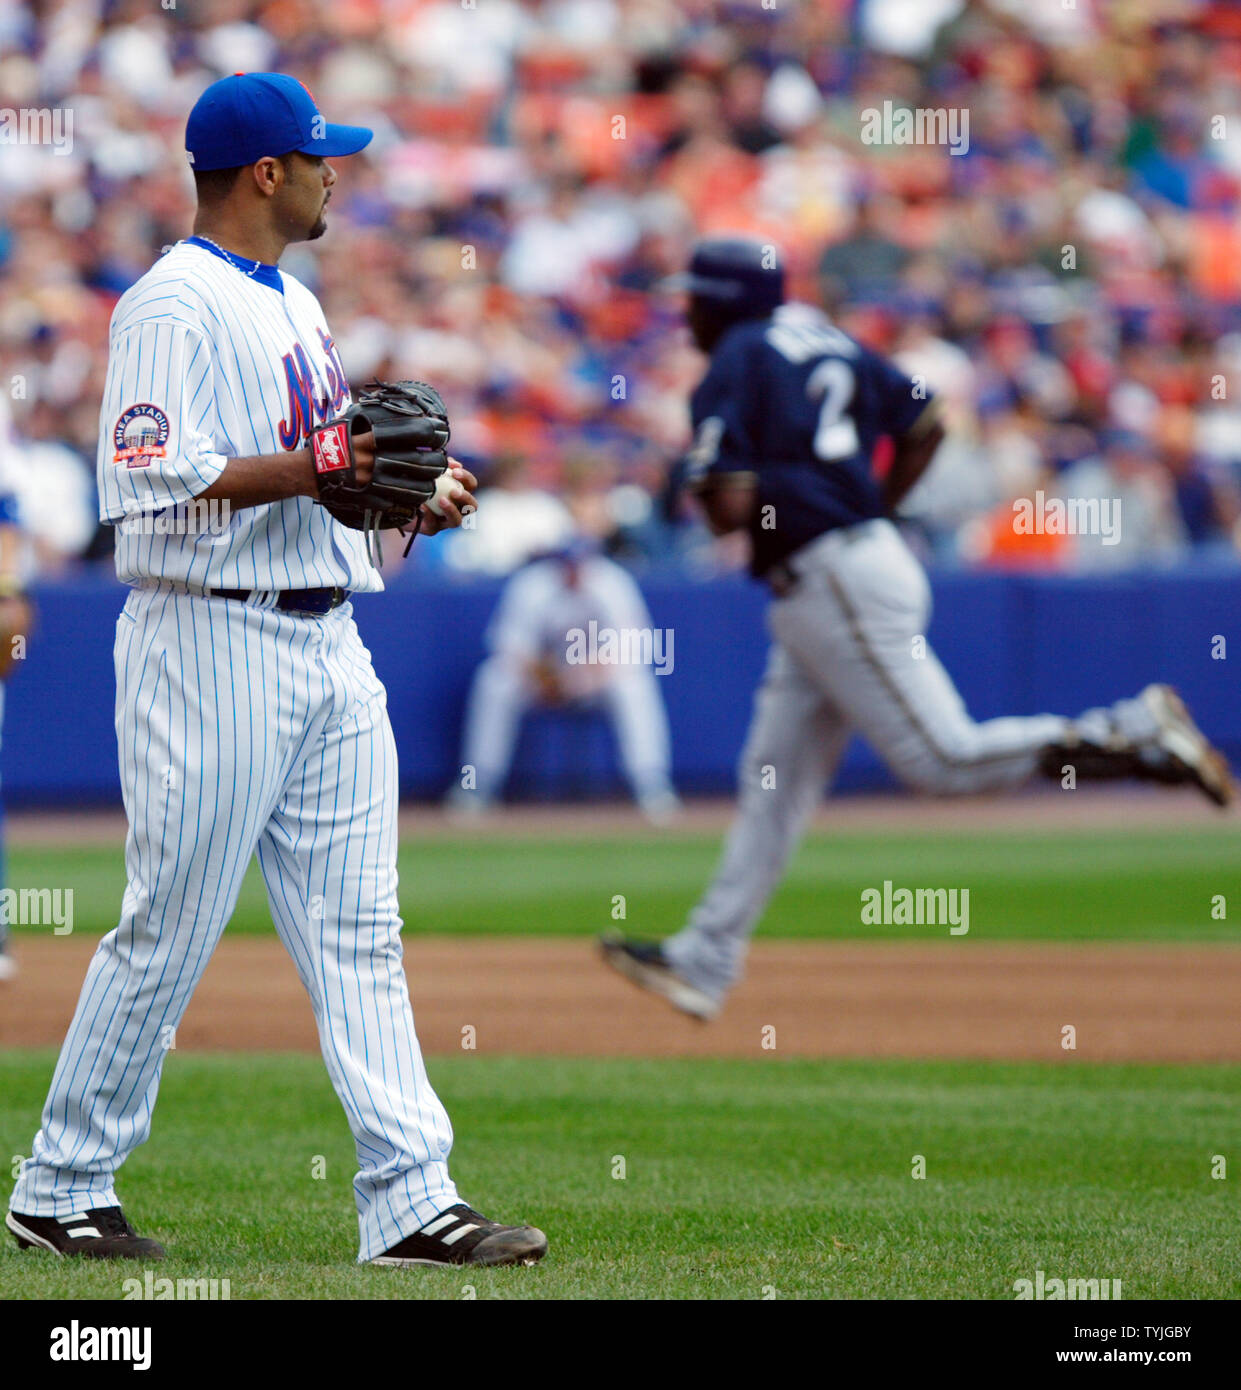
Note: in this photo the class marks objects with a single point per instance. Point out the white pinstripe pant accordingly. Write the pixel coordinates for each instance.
(242, 728)
(849, 656)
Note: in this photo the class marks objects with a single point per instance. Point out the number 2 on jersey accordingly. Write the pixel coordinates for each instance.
(836, 436)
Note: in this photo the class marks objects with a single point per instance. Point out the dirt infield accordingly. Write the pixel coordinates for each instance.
(948, 999)
(953, 999)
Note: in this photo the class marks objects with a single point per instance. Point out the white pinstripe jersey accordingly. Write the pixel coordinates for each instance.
(206, 363)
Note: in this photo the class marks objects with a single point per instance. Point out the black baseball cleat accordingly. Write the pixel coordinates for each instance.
(644, 963)
(462, 1236)
(102, 1233)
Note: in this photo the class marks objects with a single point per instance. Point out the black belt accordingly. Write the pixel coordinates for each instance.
(293, 600)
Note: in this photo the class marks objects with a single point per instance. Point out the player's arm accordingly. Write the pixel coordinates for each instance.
(911, 416)
(514, 629)
(158, 430)
(912, 457)
(721, 468)
(160, 378)
(516, 633)
(250, 482)
(10, 547)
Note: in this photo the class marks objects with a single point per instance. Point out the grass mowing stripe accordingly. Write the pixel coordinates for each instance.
(1143, 885)
(736, 1176)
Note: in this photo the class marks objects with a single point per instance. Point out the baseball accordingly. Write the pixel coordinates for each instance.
(446, 485)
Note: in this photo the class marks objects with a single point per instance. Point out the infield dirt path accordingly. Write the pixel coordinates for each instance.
(954, 999)
(552, 997)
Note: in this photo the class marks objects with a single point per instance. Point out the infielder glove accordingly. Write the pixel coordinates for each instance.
(410, 425)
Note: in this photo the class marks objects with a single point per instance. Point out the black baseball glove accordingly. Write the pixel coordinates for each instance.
(410, 425)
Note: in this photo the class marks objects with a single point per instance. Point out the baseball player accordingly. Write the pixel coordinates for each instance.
(540, 650)
(786, 421)
(248, 715)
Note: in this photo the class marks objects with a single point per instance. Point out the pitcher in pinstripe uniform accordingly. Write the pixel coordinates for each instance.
(248, 716)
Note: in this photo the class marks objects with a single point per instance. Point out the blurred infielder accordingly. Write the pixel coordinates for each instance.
(558, 622)
(248, 715)
(786, 421)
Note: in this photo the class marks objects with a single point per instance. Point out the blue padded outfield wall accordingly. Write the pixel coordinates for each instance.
(1015, 644)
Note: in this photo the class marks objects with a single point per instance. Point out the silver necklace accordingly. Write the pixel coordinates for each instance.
(228, 255)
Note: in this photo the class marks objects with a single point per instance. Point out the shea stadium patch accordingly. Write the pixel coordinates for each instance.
(140, 436)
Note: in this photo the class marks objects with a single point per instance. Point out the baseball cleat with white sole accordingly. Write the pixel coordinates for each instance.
(463, 1236)
(644, 964)
(8, 966)
(1186, 745)
(99, 1233)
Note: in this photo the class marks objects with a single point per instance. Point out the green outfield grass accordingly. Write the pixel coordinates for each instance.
(741, 1178)
(1141, 884)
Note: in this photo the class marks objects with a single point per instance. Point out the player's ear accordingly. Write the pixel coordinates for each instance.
(268, 175)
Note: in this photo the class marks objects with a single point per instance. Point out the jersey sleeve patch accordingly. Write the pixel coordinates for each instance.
(140, 435)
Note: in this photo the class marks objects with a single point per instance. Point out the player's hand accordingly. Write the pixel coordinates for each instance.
(456, 507)
(364, 457)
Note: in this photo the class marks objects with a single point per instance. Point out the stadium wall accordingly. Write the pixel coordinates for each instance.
(1015, 644)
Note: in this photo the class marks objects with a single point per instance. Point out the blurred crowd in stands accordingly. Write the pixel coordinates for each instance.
(1070, 283)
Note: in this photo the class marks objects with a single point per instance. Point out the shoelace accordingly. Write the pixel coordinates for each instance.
(485, 1225)
(374, 547)
(110, 1221)
(464, 1213)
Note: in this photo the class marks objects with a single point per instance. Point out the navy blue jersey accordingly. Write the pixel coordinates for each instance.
(798, 405)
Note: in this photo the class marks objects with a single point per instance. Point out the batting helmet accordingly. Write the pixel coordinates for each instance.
(741, 278)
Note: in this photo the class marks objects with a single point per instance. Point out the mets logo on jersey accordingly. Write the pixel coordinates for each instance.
(309, 402)
(140, 436)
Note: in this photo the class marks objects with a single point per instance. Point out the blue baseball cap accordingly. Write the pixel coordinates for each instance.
(239, 119)
(741, 275)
